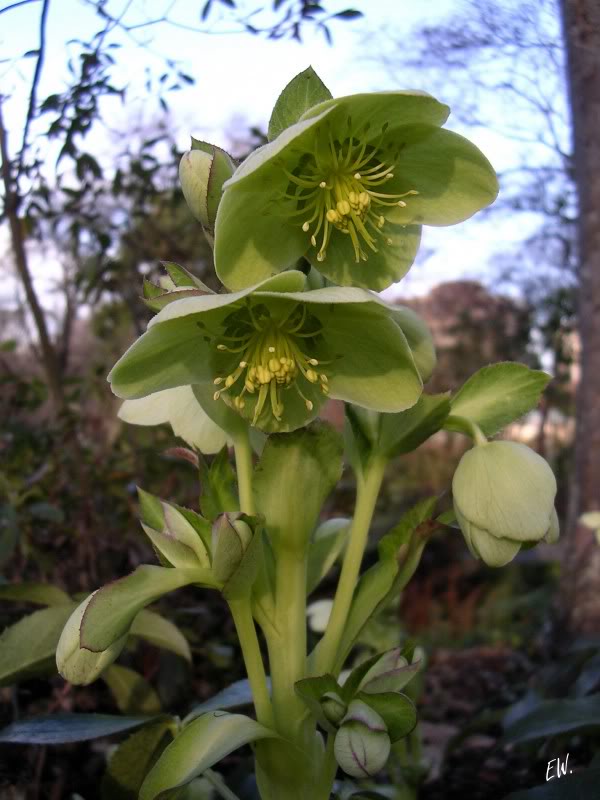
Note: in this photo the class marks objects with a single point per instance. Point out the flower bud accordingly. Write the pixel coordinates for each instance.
(390, 673)
(194, 173)
(202, 172)
(333, 707)
(504, 497)
(231, 537)
(362, 744)
(75, 664)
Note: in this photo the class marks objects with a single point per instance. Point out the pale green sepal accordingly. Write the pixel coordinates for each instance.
(202, 743)
(497, 395)
(231, 538)
(493, 551)
(394, 109)
(419, 338)
(505, 489)
(113, 608)
(390, 673)
(453, 178)
(553, 534)
(194, 171)
(388, 265)
(302, 93)
(362, 743)
(76, 665)
(183, 531)
(175, 553)
(151, 510)
(180, 408)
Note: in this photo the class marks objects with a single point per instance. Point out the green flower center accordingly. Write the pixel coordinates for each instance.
(338, 188)
(273, 358)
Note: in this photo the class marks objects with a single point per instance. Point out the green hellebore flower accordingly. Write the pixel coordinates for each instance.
(182, 411)
(503, 498)
(348, 187)
(274, 353)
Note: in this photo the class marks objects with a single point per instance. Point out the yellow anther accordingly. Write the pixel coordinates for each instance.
(324, 378)
(216, 395)
(309, 405)
(357, 176)
(401, 203)
(322, 185)
(311, 376)
(343, 207)
(221, 347)
(313, 362)
(243, 364)
(271, 349)
(217, 381)
(306, 227)
(274, 364)
(229, 381)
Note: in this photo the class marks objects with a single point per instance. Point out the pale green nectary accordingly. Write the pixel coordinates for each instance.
(274, 353)
(504, 498)
(348, 187)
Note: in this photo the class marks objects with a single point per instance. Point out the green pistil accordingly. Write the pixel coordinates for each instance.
(272, 360)
(338, 189)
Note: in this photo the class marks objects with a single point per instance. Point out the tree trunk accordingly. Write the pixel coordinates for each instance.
(581, 569)
(11, 210)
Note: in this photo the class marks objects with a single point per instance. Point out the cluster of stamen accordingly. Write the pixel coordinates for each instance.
(338, 188)
(271, 358)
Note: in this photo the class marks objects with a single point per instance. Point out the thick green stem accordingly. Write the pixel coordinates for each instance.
(287, 656)
(244, 469)
(246, 631)
(367, 493)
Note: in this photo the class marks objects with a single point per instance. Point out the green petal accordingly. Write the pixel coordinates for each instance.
(388, 265)
(382, 108)
(451, 175)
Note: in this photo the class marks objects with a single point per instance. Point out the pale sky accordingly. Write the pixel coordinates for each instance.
(238, 78)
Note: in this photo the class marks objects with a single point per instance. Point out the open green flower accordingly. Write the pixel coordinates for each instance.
(274, 353)
(348, 187)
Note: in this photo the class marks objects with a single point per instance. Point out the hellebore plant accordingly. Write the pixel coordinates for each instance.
(302, 229)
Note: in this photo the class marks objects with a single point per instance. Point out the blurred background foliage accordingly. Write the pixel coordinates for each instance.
(69, 469)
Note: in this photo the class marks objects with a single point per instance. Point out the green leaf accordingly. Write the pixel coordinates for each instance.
(234, 696)
(28, 647)
(302, 93)
(380, 582)
(160, 632)
(326, 546)
(554, 718)
(197, 747)
(181, 277)
(113, 608)
(132, 692)
(497, 395)
(218, 487)
(132, 759)
(396, 709)
(581, 785)
(42, 594)
(311, 690)
(65, 728)
(151, 510)
(295, 474)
